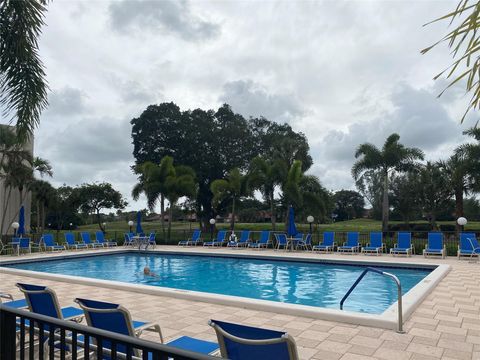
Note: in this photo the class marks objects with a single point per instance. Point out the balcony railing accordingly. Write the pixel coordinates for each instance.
(50, 337)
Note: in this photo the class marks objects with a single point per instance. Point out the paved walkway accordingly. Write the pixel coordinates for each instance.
(445, 326)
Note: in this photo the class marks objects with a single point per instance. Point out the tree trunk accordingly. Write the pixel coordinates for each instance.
(385, 205)
(38, 216)
(458, 207)
(272, 212)
(99, 220)
(43, 217)
(433, 221)
(170, 216)
(162, 213)
(232, 221)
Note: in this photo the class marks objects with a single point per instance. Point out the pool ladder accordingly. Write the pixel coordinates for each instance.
(399, 294)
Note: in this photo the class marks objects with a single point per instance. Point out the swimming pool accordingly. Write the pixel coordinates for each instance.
(293, 282)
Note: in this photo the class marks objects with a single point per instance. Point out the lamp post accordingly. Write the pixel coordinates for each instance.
(462, 221)
(15, 226)
(71, 226)
(130, 224)
(104, 225)
(310, 220)
(212, 226)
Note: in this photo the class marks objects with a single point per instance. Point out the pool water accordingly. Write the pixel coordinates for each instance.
(313, 284)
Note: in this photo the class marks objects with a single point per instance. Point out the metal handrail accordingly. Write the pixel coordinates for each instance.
(399, 295)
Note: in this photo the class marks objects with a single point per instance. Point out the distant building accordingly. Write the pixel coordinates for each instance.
(14, 202)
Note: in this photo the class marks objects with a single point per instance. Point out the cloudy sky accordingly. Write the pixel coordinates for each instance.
(342, 72)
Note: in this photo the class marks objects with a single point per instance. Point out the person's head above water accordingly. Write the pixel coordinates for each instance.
(146, 270)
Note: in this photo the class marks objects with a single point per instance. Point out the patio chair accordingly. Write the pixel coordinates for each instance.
(194, 240)
(21, 245)
(376, 244)
(403, 245)
(281, 241)
(152, 239)
(219, 241)
(86, 240)
(263, 242)
(242, 242)
(352, 245)
(435, 245)
(72, 244)
(116, 318)
(238, 342)
(17, 304)
(328, 244)
(100, 239)
(468, 246)
(306, 243)
(128, 239)
(50, 244)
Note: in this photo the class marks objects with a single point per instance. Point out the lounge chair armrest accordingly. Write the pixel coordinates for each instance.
(6, 296)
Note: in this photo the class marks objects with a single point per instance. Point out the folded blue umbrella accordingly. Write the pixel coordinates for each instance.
(291, 228)
(139, 223)
(21, 221)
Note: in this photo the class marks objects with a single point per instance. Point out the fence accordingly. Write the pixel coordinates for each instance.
(24, 334)
(419, 238)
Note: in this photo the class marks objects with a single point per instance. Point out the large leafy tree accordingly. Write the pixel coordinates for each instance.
(393, 157)
(370, 184)
(463, 41)
(404, 195)
(93, 198)
(211, 143)
(349, 205)
(231, 189)
(434, 191)
(44, 197)
(23, 88)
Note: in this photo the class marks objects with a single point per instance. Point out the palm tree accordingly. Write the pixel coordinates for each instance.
(179, 183)
(44, 196)
(152, 180)
(393, 157)
(233, 187)
(23, 85)
(265, 175)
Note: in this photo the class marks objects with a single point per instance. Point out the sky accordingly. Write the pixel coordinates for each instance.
(342, 72)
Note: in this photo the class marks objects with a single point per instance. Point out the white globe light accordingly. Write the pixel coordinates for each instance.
(461, 221)
(310, 219)
(130, 223)
(212, 221)
(15, 225)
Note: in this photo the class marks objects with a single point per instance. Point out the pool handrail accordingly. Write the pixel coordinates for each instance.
(399, 293)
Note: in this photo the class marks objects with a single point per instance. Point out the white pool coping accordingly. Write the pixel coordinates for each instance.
(388, 319)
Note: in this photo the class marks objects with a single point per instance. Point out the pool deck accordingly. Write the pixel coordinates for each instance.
(446, 325)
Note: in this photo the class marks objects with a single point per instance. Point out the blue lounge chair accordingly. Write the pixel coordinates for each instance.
(43, 300)
(49, 243)
(100, 239)
(194, 240)
(116, 318)
(128, 239)
(328, 244)
(306, 243)
(238, 342)
(86, 240)
(21, 245)
(468, 245)
(403, 245)
(242, 242)
(17, 304)
(219, 241)
(281, 241)
(72, 244)
(376, 244)
(152, 240)
(435, 245)
(352, 245)
(263, 242)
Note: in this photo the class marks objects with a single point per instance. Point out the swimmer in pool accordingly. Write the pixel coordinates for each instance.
(148, 272)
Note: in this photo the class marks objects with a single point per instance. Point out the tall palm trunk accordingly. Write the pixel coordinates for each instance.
(38, 215)
(232, 222)
(458, 205)
(162, 213)
(272, 212)
(385, 204)
(170, 217)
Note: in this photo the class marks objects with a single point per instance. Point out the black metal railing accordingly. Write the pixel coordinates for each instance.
(24, 334)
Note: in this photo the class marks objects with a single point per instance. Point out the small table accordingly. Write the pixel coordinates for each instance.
(140, 240)
(292, 243)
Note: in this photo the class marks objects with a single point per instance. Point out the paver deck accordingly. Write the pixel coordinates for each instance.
(446, 325)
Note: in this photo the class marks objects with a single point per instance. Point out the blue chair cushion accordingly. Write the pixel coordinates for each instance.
(192, 344)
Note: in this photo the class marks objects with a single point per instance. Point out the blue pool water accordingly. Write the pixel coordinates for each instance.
(304, 283)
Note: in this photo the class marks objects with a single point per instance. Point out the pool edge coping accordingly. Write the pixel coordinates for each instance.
(388, 319)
